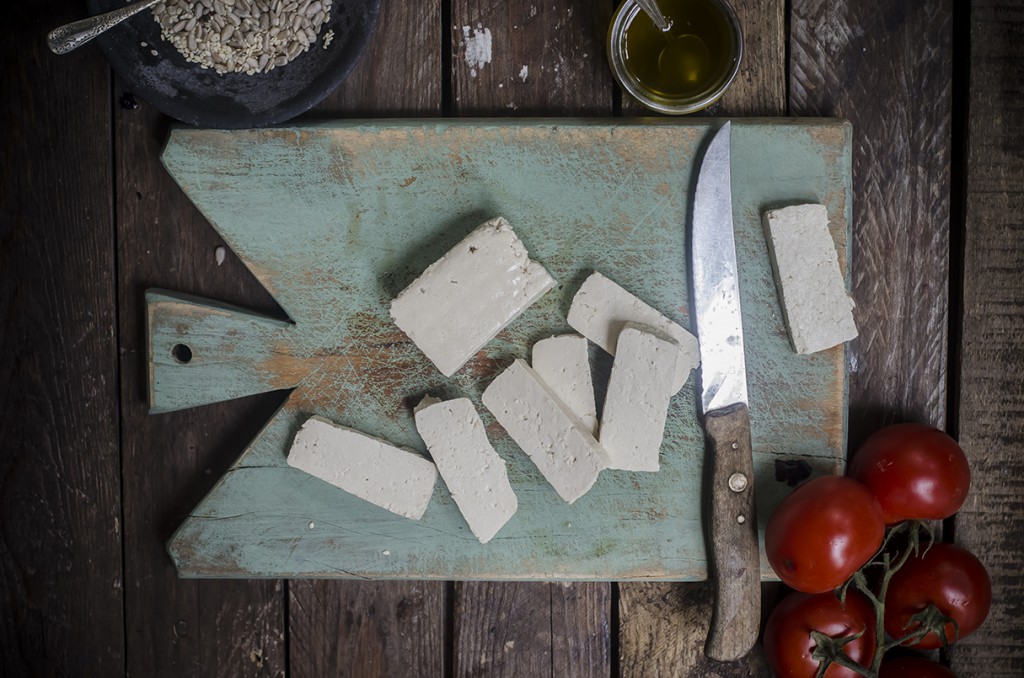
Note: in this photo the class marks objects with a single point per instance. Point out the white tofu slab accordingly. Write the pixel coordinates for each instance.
(391, 477)
(639, 390)
(474, 473)
(563, 362)
(469, 295)
(601, 308)
(816, 307)
(540, 423)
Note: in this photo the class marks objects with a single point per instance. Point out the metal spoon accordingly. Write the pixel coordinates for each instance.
(71, 36)
(651, 7)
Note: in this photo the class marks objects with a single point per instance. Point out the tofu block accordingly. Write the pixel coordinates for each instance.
(601, 309)
(563, 363)
(816, 307)
(540, 423)
(639, 390)
(469, 295)
(472, 470)
(391, 477)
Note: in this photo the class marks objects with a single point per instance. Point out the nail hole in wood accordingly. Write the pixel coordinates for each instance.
(182, 353)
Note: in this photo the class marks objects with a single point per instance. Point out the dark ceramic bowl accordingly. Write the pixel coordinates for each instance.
(204, 98)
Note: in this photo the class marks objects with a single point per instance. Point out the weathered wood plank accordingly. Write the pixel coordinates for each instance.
(177, 627)
(361, 628)
(760, 86)
(532, 629)
(887, 67)
(544, 57)
(503, 629)
(581, 617)
(366, 629)
(399, 74)
(60, 488)
(991, 428)
(663, 627)
(530, 58)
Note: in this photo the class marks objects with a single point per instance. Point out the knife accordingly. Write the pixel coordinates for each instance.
(733, 563)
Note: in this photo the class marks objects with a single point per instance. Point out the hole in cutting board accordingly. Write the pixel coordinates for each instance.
(182, 353)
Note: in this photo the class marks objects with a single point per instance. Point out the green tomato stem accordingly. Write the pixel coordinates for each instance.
(834, 653)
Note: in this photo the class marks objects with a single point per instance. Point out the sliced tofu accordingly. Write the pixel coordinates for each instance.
(639, 390)
(816, 307)
(563, 362)
(393, 478)
(602, 308)
(469, 295)
(472, 470)
(540, 423)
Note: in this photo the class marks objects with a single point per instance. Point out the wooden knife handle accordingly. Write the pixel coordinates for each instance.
(734, 563)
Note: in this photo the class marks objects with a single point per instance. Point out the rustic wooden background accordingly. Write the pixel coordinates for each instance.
(91, 486)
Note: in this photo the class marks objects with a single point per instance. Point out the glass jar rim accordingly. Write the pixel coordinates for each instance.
(625, 14)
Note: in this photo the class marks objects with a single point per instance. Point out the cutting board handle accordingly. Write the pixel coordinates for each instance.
(201, 352)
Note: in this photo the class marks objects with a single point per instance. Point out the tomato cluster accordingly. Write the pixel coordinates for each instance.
(827, 540)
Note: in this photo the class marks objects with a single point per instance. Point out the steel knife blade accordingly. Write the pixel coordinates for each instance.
(733, 562)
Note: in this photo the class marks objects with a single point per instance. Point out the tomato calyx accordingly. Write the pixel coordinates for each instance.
(931, 620)
(829, 651)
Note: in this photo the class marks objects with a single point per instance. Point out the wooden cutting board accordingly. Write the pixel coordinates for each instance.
(336, 218)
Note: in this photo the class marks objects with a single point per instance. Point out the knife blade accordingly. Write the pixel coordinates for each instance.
(734, 563)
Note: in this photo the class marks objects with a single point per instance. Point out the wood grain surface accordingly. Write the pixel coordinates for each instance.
(367, 629)
(61, 586)
(91, 485)
(378, 628)
(542, 58)
(545, 58)
(887, 67)
(992, 333)
(532, 629)
(192, 628)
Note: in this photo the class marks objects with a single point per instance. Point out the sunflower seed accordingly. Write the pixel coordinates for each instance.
(242, 36)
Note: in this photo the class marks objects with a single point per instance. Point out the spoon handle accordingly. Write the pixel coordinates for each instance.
(651, 7)
(71, 36)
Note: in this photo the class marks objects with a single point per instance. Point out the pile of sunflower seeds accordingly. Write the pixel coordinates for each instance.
(241, 36)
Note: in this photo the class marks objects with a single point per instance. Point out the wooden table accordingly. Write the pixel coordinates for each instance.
(92, 485)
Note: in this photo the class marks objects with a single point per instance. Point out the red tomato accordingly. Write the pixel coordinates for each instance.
(915, 471)
(914, 667)
(787, 633)
(823, 532)
(948, 576)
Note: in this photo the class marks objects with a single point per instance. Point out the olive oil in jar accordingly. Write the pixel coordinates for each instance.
(686, 61)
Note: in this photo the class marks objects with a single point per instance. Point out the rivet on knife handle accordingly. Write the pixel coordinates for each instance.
(736, 572)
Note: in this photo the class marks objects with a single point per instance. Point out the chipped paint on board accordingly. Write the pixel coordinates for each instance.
(476, 44)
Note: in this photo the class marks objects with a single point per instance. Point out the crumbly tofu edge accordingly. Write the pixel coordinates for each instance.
(486, 528)
(605, 333)
(572, 383)
(422, 488)
(622, 438)
(540, 282)
(843, 324)
(593, 449)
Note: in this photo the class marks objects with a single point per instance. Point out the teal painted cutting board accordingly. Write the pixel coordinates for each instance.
(336, 218)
